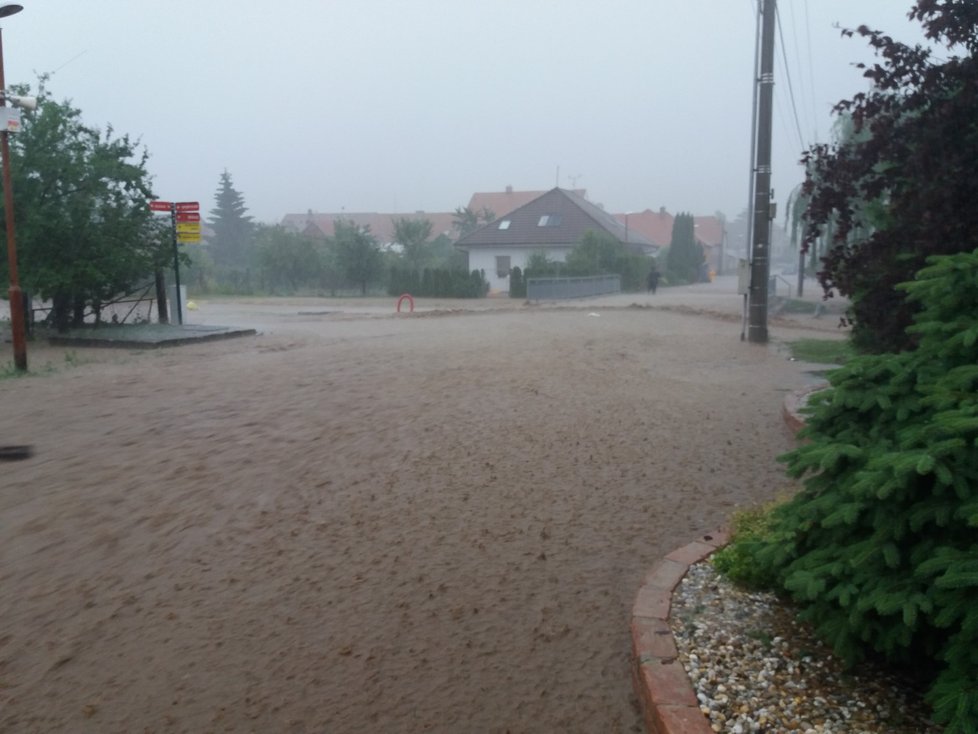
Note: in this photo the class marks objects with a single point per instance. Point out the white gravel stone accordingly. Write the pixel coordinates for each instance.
(746, 648)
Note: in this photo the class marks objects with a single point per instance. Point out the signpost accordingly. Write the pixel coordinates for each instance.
(185, 229)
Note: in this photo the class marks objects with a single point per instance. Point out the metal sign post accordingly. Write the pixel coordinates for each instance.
(184, 230)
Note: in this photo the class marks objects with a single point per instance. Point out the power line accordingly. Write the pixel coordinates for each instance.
(811, 73)
(791, 89)
(799, 66)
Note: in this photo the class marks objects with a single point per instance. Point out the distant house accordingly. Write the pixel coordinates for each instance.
(711, 234)
(551, 224)
(656, 227)
(381, 225)
(501, 203)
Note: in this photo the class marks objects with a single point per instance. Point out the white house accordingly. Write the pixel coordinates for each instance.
(551, 224)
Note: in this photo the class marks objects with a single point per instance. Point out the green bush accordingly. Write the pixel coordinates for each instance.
(517, 285)
(438, 283)
(880, 548)
(752, 527)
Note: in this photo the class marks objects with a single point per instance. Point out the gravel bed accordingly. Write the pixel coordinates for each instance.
(755, 668)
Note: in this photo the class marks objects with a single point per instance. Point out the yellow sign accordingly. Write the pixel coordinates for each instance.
(188, 228)
(188, 239)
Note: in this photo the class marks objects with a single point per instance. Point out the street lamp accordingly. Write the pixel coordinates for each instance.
(17, 326)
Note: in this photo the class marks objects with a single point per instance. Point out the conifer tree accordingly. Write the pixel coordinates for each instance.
(685, 256)
(230, 246)
(881, 546)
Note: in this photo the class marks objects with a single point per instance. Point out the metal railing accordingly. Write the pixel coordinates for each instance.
(541, 289)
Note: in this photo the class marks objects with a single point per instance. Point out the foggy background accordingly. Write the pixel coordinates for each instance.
(407, 105)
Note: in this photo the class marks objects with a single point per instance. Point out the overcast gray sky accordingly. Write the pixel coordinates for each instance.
(405, 105)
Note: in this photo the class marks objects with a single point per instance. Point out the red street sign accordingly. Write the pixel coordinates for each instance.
(160, 206)
(188, 216)
(188, 206)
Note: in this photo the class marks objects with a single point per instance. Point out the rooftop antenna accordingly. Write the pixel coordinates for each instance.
(573, 180)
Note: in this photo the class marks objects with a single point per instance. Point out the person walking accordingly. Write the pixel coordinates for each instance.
(653, 278)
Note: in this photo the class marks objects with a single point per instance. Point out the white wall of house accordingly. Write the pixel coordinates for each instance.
(486, 259)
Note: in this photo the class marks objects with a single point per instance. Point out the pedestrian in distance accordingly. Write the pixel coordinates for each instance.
(653, 279)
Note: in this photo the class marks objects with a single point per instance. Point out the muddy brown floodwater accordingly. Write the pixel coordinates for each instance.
(356, 522)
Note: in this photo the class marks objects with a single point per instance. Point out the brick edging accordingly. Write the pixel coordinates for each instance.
(794, 402)
(669, 705)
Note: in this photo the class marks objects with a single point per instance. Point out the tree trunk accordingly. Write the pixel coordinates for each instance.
(60, 312)
(161, 310)
(78, 313)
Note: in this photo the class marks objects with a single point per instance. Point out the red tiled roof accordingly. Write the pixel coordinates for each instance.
(708, 231)
(502, 203)
(654, 226)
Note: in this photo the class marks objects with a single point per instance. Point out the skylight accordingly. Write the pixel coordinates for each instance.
(504, 224)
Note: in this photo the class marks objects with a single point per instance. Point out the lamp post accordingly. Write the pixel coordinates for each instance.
(16, 296)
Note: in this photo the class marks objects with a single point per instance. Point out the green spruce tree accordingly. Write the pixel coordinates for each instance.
(880, 549)
(230, 246)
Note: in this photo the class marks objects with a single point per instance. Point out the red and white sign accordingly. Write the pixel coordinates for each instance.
(188, 206)
(160, 206)
(188, 217)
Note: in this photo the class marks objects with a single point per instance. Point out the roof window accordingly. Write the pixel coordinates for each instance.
(549, 220)
(504, 224)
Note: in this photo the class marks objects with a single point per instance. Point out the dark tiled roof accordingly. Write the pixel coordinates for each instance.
(576, 216)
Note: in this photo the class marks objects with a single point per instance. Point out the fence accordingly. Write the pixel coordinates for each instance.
(539, 289)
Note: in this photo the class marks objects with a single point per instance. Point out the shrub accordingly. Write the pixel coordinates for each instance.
(751, 528)
(881, 546)
(517, 286)
(438, 283)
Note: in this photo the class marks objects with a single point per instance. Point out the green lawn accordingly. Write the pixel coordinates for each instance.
(822, 351)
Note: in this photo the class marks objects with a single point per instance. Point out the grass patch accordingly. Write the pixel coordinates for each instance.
(822, 351)
(752, 527)
(9, 370)
(797, 305)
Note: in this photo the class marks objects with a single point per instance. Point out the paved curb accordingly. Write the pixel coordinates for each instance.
(794, 402)
(669, 704)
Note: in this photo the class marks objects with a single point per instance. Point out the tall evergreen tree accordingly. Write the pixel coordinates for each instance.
(685, 257)
(233, 229)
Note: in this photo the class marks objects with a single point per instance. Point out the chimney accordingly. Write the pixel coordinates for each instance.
(509, 189)
(662, 210)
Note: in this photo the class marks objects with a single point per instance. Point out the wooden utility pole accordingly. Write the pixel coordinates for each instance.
(760, 268)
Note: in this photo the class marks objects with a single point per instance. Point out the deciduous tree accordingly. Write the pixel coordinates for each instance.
(413, 236)
(903, 186)
(357, 254)
(85, 234)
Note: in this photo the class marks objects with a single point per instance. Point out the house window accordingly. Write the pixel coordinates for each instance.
(504, 224)
(549, 220)
(502, 266)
